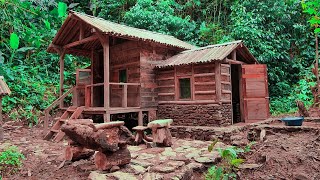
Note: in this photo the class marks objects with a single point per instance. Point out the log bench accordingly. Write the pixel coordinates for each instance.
(160, 131)
(108, 139)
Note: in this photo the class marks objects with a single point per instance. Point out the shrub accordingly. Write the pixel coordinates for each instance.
(229, 164)
(10, 160)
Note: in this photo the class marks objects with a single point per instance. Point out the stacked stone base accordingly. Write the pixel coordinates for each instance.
(197, 115)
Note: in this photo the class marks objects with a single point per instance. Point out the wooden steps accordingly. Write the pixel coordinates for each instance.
(72, 113)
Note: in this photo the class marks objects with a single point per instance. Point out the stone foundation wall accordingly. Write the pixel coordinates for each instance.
(197, 115)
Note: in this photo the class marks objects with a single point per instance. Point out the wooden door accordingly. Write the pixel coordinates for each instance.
(255, 92)
(83, 78)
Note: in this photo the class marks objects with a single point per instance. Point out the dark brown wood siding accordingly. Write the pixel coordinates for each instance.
(125, 56)
(149, 56)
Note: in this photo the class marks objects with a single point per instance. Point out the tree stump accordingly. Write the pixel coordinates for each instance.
(105, 160)
(160, 131)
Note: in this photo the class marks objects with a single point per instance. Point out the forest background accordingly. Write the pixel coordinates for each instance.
(277, 33)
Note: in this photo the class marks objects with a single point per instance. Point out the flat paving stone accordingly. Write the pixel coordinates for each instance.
(121, 176)
(146, 156)
(142, 163)
(95, 175)
(153, 176)
(176, 164)
(163, 169)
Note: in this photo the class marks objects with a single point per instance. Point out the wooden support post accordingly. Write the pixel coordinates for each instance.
(106, 68)
(234, 55)
(46, 121)
(87, 95)
(125, 96)
(81, 33)
(140, 119)
(217, 74)
(61, 76)
(176, 85)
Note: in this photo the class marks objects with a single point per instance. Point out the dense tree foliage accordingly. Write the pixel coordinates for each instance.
(275, 31)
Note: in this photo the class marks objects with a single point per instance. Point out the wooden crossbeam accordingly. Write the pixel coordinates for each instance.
(83, 41)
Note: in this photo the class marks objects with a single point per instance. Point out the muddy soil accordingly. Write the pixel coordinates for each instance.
(42, 158)
(293, 155)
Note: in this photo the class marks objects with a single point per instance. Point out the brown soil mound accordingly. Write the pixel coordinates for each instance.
(294, 155)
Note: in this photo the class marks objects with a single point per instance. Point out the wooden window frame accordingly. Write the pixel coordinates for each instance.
(126, 75)
(191, 88)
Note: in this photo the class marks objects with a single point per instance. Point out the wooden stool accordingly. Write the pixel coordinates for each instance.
(160, 131)
(140, 136)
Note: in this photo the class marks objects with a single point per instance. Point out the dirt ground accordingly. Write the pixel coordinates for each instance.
(42, 158)
(290, 155)
(282, 155)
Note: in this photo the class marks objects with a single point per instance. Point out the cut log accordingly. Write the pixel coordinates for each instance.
(102, 140)
(109, 125)
(162, 136)
(104, 161)
(126, 135)
(75, 153)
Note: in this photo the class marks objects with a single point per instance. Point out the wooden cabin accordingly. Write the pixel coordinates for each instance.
(216, 85)
(138, 71)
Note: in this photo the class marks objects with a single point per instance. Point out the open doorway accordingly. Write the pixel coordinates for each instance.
(235, 84)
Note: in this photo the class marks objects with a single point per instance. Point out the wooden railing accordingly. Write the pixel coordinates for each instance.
(52, 105)
(88, 88)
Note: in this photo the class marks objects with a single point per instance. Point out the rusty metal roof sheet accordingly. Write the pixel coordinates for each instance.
(4, 89)
(209, 53)
(111, 28)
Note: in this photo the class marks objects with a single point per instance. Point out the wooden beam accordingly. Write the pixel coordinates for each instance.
(106, 68)
(176, 85)
(81, 32)
(230, 61)
(62, 55)
(56, 47)
(192, 83)
(234, 55)
(125, 96)
(217, 72)
(82, 41)
(140, 119)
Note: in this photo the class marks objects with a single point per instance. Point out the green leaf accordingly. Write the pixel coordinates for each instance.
(317, 30)
(47, 24)
(62, 9)
(14, 41)
(2, 1)
(236, 162)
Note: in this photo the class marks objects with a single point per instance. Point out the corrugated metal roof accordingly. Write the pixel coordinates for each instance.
(111, 28)
(4, 89)
(209, 53)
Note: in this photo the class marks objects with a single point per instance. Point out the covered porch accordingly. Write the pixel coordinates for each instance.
(111, 84)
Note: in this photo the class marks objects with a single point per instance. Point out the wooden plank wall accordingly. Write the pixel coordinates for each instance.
(226, 83)
(125, 56)
(204, 81)
(148, 58)
(202, 77)
(166, 84)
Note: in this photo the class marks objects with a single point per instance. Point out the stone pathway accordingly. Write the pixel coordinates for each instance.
(177, 162)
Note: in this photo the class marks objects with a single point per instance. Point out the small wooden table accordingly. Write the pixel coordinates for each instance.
(140, 136)
(160, 131)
